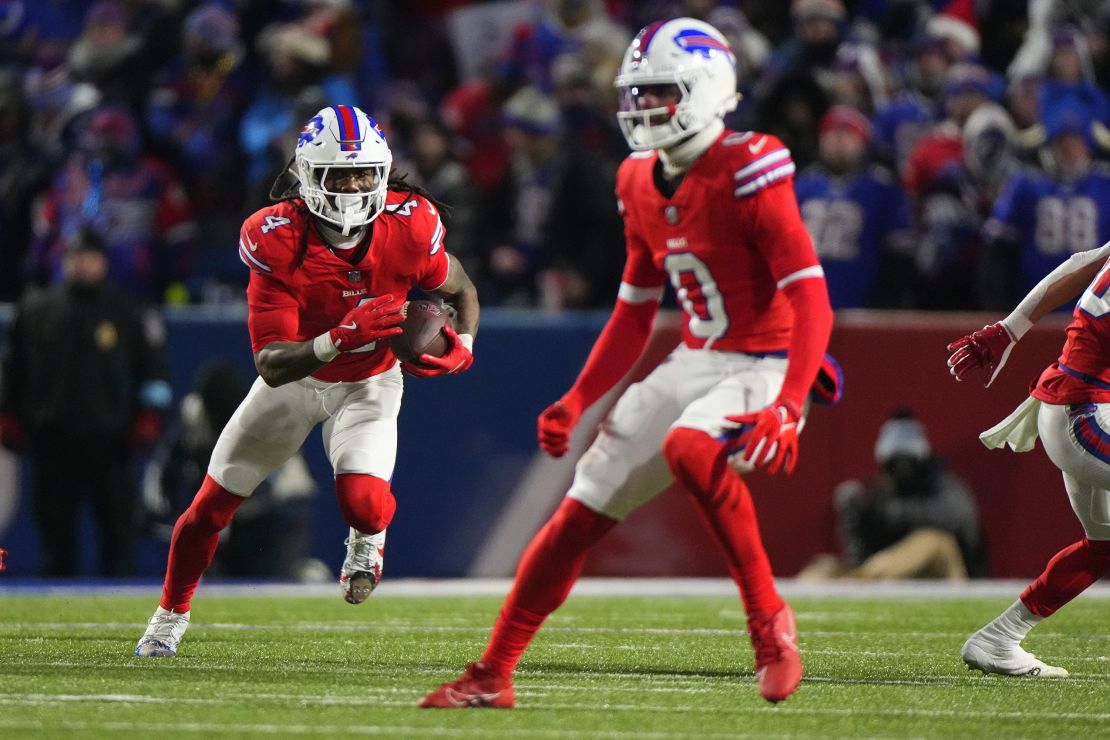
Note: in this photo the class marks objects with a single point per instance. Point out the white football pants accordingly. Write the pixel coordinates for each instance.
(1078, 442)
(359, 428)
(693, 388)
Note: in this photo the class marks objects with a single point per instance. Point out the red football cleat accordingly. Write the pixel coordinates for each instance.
(477, 687)
(778, 665)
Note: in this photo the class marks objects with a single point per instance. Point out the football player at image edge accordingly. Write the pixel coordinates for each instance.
(1068, 409)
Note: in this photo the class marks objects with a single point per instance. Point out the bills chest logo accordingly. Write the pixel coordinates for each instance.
(311, 130)
(693, 41)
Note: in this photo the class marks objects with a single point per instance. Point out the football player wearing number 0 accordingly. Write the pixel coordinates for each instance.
(330, 264)
(713, 212)
(1069, 409)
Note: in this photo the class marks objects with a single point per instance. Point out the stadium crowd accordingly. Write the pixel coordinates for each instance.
(950, 152)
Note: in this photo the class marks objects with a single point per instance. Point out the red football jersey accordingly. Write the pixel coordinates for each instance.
(291, 302)
(728, 240)
(1082, 374)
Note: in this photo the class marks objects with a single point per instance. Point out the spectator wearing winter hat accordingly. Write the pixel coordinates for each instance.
(56, 100)
(192, 116)
(193, 112)
(857, 216)
(957, 27)
(137, 205)
(957, 271)
(108, 55)
(516, 216)
(913, 109)
(296, 62)
(966, 87)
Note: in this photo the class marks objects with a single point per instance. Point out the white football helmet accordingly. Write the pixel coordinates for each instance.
(690, 54)
(342, 136)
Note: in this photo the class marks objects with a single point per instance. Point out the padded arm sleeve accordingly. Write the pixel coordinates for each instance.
(813, 319)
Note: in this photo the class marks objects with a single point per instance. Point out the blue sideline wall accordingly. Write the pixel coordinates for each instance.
(472, 488)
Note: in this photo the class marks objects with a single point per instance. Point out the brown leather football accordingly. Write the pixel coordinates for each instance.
(422, 332)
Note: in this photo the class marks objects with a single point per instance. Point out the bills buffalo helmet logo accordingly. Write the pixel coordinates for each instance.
(310, 131)
(694, 41)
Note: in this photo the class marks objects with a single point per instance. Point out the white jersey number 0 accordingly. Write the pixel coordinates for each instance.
(698, 293)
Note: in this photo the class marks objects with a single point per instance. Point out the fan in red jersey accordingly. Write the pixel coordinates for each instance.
(713, 212)
(1069, 409)
(331, 263)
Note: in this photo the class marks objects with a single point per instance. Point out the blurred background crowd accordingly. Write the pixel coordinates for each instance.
(950, 152)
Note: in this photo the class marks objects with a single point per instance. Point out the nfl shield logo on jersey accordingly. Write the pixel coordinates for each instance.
(354, 276)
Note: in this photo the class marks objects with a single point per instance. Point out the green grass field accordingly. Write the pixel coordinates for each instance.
(602, 667)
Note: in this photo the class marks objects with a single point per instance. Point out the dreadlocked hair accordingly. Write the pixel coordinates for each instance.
(286, 187)
(291, 191)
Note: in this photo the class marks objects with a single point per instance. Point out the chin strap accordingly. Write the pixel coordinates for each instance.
(335, 238)
(678, 158)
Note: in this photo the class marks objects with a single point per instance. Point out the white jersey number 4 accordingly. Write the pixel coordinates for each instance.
(698, 293)
(272, 222)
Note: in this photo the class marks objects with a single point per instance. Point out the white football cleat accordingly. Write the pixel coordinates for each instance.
(362, 569)
(163, 632)
(991, 654)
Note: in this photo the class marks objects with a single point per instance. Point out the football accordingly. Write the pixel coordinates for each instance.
(422, 332)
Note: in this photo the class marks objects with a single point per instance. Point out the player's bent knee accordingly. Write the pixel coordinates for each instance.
(365, 501)
(682, 447)
(212, 507)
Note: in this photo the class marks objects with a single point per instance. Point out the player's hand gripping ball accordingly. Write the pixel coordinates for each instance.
(427, 345)
(422, 332)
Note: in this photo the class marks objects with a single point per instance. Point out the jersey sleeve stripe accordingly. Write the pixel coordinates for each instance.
(251, 261)
(814, 271)
(437, 237)
(636, 294)
(764, 179)
(767, 160)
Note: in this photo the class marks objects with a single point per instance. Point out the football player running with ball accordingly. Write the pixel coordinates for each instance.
(330, 265)
(1069, 409)
(713, 211)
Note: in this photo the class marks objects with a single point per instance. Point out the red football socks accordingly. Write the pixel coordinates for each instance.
(547, 571)
(365, 501)
(700, 464)
(1067, 575)
(194, 541)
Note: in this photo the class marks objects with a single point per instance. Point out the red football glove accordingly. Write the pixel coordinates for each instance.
(145, 430)
(987, 348)
(555, 425)
(3, 565)
(12, 435)
(770, 436)
(376, 319)
(457, 359)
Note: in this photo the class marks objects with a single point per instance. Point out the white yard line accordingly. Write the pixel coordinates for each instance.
(632, 587)
(403, 628)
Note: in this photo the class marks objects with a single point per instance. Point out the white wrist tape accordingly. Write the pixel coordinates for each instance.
(467, 341)
(324, 348)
